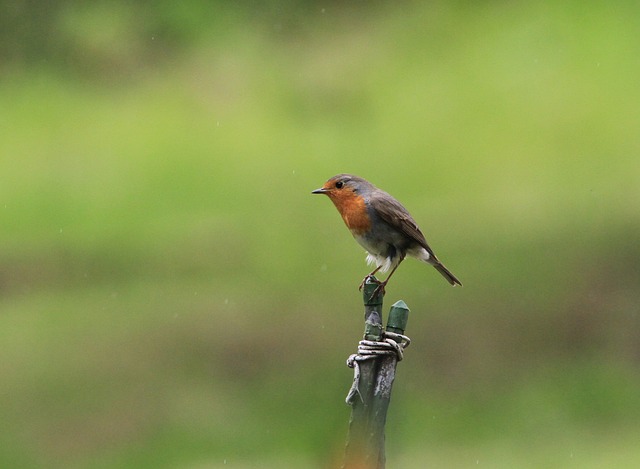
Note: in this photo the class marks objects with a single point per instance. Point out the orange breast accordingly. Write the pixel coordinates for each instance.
(353, 211)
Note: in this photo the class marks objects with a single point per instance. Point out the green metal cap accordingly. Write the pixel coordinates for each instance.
(370, 285)
(398, 317)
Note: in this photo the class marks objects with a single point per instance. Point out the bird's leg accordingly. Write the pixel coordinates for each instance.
(382, 285)
(364, 280)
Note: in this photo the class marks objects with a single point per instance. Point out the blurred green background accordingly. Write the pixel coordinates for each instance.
(172, 296)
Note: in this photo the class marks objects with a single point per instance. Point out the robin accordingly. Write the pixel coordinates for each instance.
(381, 225)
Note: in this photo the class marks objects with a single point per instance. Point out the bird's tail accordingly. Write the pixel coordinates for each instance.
(430, 258)
(447, 274)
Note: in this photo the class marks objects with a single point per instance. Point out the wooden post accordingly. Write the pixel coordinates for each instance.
(361, 451)
(365, 444)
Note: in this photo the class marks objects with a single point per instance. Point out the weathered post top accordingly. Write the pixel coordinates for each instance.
(372, 309)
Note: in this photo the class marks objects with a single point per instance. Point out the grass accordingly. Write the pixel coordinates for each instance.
(173, 296)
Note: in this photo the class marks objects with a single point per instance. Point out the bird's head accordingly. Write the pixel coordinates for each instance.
(349, 194)
(344, 187)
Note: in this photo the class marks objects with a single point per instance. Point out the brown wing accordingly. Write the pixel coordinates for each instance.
(393, 212)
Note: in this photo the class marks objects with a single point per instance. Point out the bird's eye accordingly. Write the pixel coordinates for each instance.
(339, 184)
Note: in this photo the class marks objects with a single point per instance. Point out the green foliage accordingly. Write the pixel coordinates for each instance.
(173, 296)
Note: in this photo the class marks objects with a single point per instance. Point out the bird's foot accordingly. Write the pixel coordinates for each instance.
(372, 278)
(379, 290)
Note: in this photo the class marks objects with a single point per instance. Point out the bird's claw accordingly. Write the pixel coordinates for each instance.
(379, 290)
(375, 280)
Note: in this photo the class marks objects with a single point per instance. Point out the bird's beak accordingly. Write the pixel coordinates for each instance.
(322, 190)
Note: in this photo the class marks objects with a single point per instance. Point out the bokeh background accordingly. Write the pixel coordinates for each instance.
(172, 296)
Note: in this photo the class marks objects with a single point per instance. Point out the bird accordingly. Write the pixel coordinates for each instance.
(381, 225)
